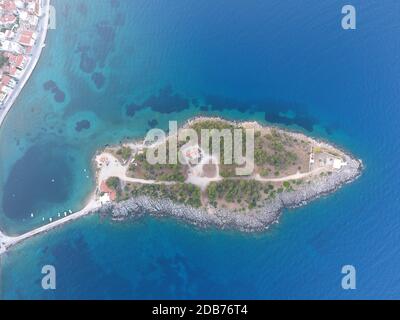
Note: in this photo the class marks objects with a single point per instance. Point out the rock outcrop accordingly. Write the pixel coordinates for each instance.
(255, 220)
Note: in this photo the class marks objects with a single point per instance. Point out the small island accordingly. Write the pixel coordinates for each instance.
(289, 169)
(206, 189)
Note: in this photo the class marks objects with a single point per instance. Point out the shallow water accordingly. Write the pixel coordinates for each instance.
(132, 62)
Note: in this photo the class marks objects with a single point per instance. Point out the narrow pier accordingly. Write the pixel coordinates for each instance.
(6, 241)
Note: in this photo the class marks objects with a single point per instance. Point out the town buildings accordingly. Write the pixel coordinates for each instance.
(19, 23)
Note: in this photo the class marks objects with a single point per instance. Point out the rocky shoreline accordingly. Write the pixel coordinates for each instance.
(253, 221)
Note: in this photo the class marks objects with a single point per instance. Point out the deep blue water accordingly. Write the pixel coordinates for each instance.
(113, 69)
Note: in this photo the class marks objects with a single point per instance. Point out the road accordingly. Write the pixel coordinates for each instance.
(37, 51)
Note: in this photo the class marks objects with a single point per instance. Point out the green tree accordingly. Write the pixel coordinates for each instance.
(113, 183)
(3, 61)
(125, 153)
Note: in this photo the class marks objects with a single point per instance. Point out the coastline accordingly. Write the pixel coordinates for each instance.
(272, 126)
(7, 241)
(240, 61)
(43, 29)
(32, 64)
(257, 220)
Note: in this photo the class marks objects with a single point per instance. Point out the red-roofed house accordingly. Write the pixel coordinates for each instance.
(11, 57)
(21, 61)
(9, 6)
(12, 70)
(7, 20)
(8, 81)
(15, 73)
(107, 190)
(27, 38)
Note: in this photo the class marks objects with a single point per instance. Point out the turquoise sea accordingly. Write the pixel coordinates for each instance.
(114, 68)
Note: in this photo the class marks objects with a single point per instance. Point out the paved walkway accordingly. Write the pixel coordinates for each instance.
(113, 168)
(7, 242)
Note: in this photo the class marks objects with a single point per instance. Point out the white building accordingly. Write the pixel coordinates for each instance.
(19, 4)
(11, 46)
(31, 19)
(3, 97)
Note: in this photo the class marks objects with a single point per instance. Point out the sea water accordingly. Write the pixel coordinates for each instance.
(113, 69)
